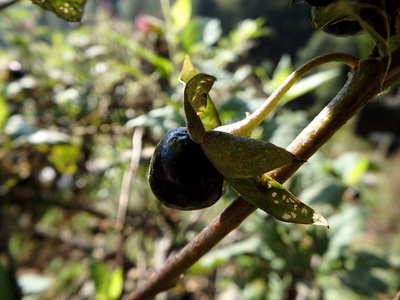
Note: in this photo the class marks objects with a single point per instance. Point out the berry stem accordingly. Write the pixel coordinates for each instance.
(246, 126)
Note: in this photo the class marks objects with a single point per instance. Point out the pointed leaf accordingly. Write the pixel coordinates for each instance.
(237, 156)
(273, 198)
(188, 70)
(209, 115)
(195, 102)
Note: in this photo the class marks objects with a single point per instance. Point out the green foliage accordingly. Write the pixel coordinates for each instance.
(108, 284)
(64, 158)
(66, 141)
(5, 284)
(181, 13)
(3, 112)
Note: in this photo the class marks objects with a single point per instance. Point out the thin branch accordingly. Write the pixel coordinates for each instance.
(362, 86)
(129, 176)
(126, 187)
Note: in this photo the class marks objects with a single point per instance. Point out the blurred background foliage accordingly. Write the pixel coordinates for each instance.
(72, 96)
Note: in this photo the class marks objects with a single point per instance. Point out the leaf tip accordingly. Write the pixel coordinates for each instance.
(319, 220)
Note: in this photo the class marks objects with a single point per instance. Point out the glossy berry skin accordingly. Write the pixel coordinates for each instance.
(181, 176)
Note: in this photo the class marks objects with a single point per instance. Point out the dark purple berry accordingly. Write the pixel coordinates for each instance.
(181, 176)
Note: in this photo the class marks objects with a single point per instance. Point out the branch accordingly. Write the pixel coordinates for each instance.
(128, 177)
(362, 86)
(126, 187)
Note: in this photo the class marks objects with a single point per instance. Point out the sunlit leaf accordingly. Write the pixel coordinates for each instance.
(195, 103)
(273, 198)
(237, 156)
(64, 158)
(3, 112)
(181, 13)
(115, 284)
(188, 70)
(69, 10)
(209, 116)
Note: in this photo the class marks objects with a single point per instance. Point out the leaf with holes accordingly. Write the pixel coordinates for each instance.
(69, 10)
(195, 104)
(208, 114)
(273, 198)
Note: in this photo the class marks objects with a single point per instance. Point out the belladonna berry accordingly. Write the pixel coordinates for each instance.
(181, 176)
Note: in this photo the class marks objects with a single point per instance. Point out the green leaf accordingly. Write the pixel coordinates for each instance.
(273, 198)
(195, 103)
(3, 112)
(188, 70)
(192, 34)
(181, 13)
(64, 158)
(108, 286)
(6, 289)
(115, 284)
(237, 156)
(209, 116)
(99, 273)
(69, 10)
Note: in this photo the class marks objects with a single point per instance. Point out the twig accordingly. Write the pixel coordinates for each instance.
(128, 177)
(126, 187)
(362, 86)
